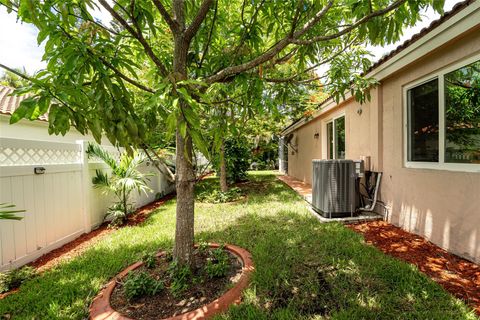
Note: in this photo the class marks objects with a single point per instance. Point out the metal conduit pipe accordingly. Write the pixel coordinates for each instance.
(370, 207)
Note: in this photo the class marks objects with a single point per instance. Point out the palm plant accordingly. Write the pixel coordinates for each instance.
(6, 213)
(124, 179)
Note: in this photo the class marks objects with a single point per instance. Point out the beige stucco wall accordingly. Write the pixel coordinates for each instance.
(441, 205)
(361, 138)
(38, 130)
(363, 129)
(300, 163)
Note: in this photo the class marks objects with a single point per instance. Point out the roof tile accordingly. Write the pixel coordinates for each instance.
(9, 103)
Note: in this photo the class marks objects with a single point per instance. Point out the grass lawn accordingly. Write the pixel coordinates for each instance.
(304, 269)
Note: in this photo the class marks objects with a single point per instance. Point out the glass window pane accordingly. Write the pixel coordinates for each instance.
(462, 114)
(330, 140)
(423, 122)
(340, 138)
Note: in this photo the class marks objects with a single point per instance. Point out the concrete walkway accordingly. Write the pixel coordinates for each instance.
(305, 191)
(302, 188)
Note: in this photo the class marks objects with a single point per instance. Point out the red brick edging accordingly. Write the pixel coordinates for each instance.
(101, 309)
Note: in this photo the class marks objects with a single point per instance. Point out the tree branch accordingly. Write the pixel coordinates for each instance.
(209, 39)
(109, 65)
(351, 27)
(197, 21)
(296, 18)
(270, 53)
(121, 75)
(137, 35)
(166, 170)
(329, 59)
(166, 16)
(33, 80)
(15, 72)
(179, 13)
(279, 46)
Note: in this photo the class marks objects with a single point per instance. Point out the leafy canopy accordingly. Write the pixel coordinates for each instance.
(118, 78)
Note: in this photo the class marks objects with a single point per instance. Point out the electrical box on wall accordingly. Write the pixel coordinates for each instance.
(366, 162)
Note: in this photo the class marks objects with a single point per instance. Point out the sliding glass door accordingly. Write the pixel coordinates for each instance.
(336, 138)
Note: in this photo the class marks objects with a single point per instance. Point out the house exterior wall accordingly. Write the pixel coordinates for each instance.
(441, 205)
(307, 148)
(38, 130)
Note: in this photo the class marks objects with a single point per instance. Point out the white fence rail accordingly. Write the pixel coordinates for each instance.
(60, 204)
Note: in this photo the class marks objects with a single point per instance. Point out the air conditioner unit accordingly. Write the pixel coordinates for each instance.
(334, 192)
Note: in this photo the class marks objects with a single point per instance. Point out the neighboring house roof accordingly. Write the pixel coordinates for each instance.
(406, 44)
(9, 103)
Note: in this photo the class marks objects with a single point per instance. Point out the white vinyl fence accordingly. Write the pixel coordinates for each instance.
(60, 203)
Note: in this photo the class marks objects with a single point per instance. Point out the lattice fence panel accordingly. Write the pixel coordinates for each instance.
(13, 154)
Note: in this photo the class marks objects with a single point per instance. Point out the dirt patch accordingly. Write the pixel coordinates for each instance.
(458, 276)
(201, 290)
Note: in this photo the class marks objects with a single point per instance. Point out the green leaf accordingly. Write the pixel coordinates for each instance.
(24, 110)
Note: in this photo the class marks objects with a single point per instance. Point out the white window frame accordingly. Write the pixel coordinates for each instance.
(441, 164)
(327, 143)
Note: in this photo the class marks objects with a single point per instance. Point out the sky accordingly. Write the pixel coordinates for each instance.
(19, 48)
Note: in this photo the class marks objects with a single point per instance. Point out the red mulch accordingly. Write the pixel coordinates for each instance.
(79, 245)
(458, 276)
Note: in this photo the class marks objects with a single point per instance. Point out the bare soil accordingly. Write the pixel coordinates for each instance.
(458, 276)
(200, 292)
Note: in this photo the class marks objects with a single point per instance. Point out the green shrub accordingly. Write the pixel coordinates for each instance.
(125, 178)
(203, 247)
(149, 260)
(217, 264)
(217, 196)
(237, 159)
(180, 278)
(14, 278)
(140, 283)
(116, 214)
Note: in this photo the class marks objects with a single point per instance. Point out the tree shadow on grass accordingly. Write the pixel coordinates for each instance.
(305, 269)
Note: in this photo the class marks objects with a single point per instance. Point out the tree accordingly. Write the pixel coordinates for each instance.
(11, 79)
(164, 57)
(124, 179)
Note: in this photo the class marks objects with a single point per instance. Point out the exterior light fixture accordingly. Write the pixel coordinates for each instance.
(39, 170)
(316, 135)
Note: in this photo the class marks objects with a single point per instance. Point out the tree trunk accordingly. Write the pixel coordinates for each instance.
(185, 179)
(184, 175)
(223, 168)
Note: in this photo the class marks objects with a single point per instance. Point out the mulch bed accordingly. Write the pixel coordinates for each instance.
(200, 293)
(458, 276)
(86, 240)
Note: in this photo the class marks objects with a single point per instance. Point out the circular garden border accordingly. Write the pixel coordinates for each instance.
(101, 309)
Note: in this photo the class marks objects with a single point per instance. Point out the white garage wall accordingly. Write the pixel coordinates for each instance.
(60, 204)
